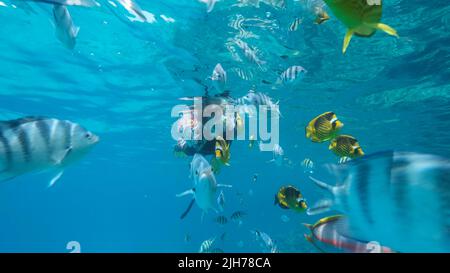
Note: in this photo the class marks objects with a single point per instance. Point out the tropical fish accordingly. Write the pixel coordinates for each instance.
(250, 53)
(222, 220)
(292, 75)
(66, 31)
(255, 178)
(289, 197)
(344, 159)
(222, 154)
(278, 154)
(221, 201)
(295, 24)
(361, 17)
(346, 146)
(398, 199)
(257, 99)
(330, 232)
(323, 127)
(219, 78)
(205, 185)
(206, 246)
(244, 74)
(237, 216)
(269, 244)
(308, 164)
(34, 144)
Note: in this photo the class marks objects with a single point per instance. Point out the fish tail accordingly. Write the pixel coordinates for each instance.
(389, 30)
(347, 39)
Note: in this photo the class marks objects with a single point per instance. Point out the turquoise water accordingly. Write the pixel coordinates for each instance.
(124, 76)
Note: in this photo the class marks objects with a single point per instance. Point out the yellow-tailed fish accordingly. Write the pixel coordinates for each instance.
(346, 146)
(323, 127)
(289, 197)
(361, 17)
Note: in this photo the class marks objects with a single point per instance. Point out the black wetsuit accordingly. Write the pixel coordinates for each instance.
(208, 147)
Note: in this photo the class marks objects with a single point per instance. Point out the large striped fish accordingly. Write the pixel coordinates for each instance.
(34, 143)
(399, 199)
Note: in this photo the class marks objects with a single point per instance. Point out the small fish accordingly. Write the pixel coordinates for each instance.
(219, 78)
(250, 53)
(244, 74)
(321, 16)
(33, 144)
(307, 163)
(206, 245)
(66, 31)
(222, 220)
(221, 201)
(278, 154)
(292, 75)
(237, 216)
(346, 146)
(255, 178)
(344, 159)
(295, 24)
(222, 154)
(323, 127)
(269, 244)
(289, 197)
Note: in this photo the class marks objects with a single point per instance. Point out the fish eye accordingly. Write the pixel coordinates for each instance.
(88, 135)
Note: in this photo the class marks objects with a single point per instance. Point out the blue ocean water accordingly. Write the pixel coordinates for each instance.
(124, 76)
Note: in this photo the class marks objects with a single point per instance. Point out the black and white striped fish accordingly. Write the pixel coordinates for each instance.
(206, 246)
(219, 78)
(292, 75)
(250, 53)
(295, 24)
(244, 74)
(253, 100)
(66, 31)
(398, 199)
(33, 144)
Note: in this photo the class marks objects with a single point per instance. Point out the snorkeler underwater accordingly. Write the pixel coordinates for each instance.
(225, 126)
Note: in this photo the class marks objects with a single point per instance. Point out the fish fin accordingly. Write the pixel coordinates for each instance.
(383, 27)
(191, 191)
(311, 240)
(59, 157)
(308, 226)
(55, 178)
(188, 209)
(323, 185)
(224, 186)
(76, 30)
(321, 206)
(347, 39)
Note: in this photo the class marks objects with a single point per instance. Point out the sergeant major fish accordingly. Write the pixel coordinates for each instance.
(33, 144)
(219, 78)
(398, 199)
(292, 75)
